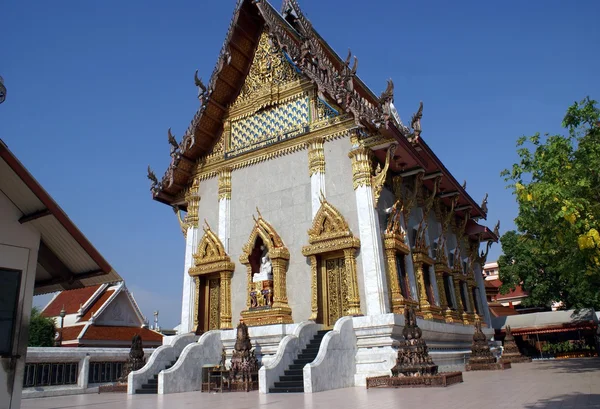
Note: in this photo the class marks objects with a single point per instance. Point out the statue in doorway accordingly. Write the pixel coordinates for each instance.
(266, 268)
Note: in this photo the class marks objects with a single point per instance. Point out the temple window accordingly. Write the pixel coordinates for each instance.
(428, 285)
(448, 290)
(402, 276)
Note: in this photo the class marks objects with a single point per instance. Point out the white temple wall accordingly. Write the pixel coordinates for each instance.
(340, 193)
(281, 189)
(209, 205)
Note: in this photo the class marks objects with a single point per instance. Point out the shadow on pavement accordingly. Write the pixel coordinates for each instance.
(574, 365)
(573, 400)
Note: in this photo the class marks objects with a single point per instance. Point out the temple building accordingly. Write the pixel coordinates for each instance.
(99, 316)
(303, 197)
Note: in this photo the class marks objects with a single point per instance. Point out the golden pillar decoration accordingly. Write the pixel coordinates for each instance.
(459, 305)
(439, 277)
(196, 301)
(361, 166)
(314, 296)
(192, 198)
(396, 298)
(226, 299)
(225, 183)
(353, 294)
(316, 156)
(279, 312)
(212, 262)
(330, 233)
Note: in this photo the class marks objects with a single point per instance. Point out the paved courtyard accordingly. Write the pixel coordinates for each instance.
(571, 383)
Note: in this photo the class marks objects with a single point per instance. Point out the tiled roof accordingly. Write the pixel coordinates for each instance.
(97, 332)
(516, 293)
(71, 333)
(70, 299)
(97, 305)
(498, 310)
(492, 283)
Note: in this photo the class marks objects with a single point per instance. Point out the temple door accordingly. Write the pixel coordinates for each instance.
(209, 305)
(333, 288)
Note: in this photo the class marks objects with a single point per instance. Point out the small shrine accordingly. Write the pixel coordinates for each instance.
(482, 358)
(414, 367)
(511, 351)
(135, 361)
(242, 374)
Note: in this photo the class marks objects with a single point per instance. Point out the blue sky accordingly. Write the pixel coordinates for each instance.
(93, 87)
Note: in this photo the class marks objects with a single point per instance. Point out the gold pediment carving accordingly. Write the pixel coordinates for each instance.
(270, 73)
(329, 232)
(270, 238)
(210, 256)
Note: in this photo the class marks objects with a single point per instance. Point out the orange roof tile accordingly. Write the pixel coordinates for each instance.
(97, 305)
(71, 333)
(498, 310)
(70, 299)
(98, 332)
(517, 292)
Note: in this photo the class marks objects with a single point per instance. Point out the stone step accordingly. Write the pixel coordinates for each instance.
(291, 378)
(152, 381)
(310, 356)
(297, 366)
(303, 361)
(286, 390)
(323, 331)
(312, 347)
(289, 384)
(146, 391)
(293, 372)
(148, 386)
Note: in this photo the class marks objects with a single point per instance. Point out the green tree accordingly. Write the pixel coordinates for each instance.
(41, 330)
(555, 255)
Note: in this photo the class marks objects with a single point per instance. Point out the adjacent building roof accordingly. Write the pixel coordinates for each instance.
(100, 315)
(66, 259)
(544, 322)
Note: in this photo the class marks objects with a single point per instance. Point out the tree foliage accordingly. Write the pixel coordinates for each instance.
(41, 330)
(555, 255)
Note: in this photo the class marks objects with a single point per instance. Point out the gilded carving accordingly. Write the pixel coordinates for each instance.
(268, 71)
(213, 303)
(225, 183)
(210, 259)
(316, 156)
(361, 166)
(381, 174)
(192, 199)
(330, 233)
(278, 312)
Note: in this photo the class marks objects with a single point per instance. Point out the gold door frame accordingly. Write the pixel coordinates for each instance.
(330, 233)
(211, 259)
(326, 292)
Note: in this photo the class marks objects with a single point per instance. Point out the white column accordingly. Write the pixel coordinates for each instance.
(224, 231)
(316, 170)
(192, 199)
(371, 247)
(317, 187)
(187, 300)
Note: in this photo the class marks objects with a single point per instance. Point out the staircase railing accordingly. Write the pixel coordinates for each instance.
(288, 349)
(159, 360)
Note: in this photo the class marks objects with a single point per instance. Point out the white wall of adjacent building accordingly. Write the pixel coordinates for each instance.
(18, 256)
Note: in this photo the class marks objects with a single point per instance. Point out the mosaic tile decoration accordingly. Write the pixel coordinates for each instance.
(269, 125)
